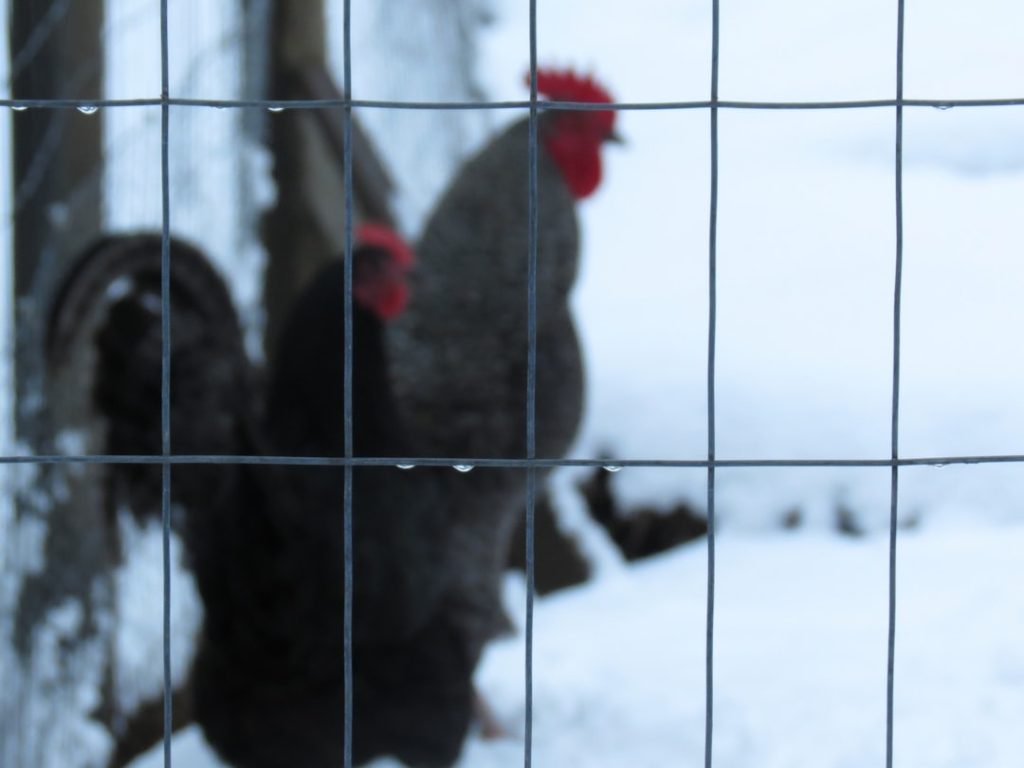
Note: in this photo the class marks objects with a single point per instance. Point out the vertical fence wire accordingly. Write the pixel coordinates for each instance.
(347, 394)
(712, 323)
(897, 300)
(165, 372)
(531, 387)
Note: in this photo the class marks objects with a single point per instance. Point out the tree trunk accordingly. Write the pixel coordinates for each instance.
(58, 551)
(295, 244)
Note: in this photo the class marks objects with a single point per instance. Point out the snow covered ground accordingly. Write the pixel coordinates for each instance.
(800, 660)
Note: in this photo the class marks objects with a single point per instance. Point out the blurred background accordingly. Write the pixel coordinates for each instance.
(806, 260)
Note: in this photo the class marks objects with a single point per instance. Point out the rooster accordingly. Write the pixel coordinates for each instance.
(265, 543)
(115, 284)
(261, 687)
(459, 352)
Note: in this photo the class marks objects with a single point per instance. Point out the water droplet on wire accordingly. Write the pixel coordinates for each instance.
(19, 108)
(462, 467)
(275, 109)
(612, 468)
(405, 466)
(88, 109)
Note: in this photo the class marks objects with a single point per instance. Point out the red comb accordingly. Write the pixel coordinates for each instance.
(566, 85)
(382, 236)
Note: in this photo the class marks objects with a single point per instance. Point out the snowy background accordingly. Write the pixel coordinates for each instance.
(805, 272)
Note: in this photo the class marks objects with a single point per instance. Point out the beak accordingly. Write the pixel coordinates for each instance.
(615, 138)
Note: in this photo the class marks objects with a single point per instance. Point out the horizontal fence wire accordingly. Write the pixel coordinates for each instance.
(411, 462)
(542, 106)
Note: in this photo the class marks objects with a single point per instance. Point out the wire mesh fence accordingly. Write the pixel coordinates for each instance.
(167, 460)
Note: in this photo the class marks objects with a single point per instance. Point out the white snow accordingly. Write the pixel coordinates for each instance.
(188, 748)
(138, 592)
(800, 659)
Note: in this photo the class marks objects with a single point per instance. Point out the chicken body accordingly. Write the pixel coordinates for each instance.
(273, 673)
(460, 351)
(265, 543)
(412, 689)
(114, 286)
